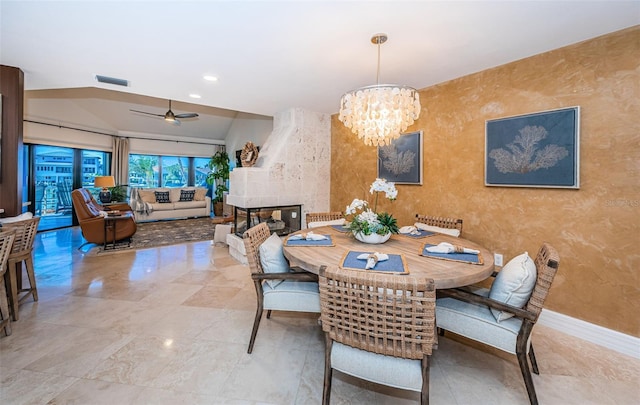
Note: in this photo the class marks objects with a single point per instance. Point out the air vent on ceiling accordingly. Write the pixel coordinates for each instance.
(112, 80)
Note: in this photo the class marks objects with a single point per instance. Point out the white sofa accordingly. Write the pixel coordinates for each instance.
(144, 202)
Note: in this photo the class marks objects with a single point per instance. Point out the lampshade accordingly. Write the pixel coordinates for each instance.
(381, 112)
(104, 181)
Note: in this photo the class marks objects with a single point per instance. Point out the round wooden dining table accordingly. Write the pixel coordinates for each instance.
(445, 273)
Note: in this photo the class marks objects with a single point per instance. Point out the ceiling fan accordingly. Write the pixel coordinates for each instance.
(169, 116)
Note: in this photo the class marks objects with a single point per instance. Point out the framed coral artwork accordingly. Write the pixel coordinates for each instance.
(534, 150)
(401, 161)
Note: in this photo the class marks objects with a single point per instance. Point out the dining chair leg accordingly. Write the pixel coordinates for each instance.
(5, 314)
(268, 314)
(526, 375)
(424, 395)
(328, 370)
(12, 293)
(256, 324)
(32, 290)
(532, 357)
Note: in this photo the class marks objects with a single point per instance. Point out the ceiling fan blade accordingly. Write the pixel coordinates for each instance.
(148, 113)
(186, 115)
(176, 123)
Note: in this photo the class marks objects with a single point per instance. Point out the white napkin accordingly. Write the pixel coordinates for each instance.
(444, 247)
(372, 259)
(307, 236)
(411, 230)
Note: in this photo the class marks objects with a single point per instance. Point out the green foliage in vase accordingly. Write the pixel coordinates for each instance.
(366, 221)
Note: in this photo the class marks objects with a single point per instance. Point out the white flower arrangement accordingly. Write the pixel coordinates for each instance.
(367, 221)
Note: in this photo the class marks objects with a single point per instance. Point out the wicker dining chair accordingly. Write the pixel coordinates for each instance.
(378, 327)
(440, 222)
(467, 313)
(324, 218)
(6, 242)
(297, 291)
(22, 251)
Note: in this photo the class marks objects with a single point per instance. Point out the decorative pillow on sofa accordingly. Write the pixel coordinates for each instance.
(148, 196)
(200, 194)
(272, 258)
(162, 197)
(513, 284)
(187, 195)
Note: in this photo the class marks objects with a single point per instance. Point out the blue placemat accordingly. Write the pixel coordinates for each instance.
(341, 228)
(456, 257)
(304, 242)
(422, 234)
(396, 263)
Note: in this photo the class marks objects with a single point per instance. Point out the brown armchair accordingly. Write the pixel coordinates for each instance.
(92, 223)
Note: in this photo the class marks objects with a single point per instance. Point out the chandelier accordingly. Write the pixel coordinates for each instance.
(381, 112)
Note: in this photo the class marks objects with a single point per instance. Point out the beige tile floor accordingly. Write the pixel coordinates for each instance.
(171, 326)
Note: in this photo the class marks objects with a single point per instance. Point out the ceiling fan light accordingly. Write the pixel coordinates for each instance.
(169, 116)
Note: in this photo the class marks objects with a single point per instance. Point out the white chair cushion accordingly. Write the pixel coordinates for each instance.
(272, 258)
(388, 370)
(291, 295)
(317, 224)
(21, 217)
(424, 227)
(478, 323)
(513, 284)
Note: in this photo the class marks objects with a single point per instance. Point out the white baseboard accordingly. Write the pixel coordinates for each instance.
(625, 344)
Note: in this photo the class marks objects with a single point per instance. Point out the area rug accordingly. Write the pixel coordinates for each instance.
(164, 233)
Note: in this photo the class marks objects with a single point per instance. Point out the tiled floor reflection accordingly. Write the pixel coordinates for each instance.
(171, 326)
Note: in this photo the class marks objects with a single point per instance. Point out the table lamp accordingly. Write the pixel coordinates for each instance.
(105, 182)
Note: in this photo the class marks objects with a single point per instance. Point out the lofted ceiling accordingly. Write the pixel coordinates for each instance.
(269, 56)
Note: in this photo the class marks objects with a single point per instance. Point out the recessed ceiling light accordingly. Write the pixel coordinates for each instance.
(210, 78)
(195, 96)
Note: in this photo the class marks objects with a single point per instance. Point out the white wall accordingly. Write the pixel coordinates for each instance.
(245, 128)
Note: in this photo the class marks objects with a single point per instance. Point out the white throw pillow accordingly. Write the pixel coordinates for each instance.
(513, 284)
(424, 227)
(21, 217)
(272, 258)
(317, 224)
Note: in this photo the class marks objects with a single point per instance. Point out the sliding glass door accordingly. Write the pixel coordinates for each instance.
(56, 171)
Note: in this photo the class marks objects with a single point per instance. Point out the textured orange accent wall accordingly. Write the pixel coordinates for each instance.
(595, 229)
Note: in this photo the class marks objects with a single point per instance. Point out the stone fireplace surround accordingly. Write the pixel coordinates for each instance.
(293, 168)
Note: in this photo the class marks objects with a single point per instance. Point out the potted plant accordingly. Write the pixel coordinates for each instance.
(219, 166)
(118, 193)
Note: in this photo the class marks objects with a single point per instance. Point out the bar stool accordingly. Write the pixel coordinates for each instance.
(21, 252)
(6, 242)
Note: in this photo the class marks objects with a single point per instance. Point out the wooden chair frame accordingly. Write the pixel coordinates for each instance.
(22, 251)
(7, 238)
(253, 238)
(547, 262)
(323, 216)
(442, 222)
(380, 313)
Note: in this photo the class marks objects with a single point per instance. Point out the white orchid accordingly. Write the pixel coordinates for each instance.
(368, 221)
(388, 188)
(355, 206)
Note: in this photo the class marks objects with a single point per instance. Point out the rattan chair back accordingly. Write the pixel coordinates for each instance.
(22, 251)
(25, 235)
(253, 238)
(442, 222)
(323, 216)
(547, 262)
(380, 313)
(7, 237)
